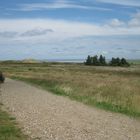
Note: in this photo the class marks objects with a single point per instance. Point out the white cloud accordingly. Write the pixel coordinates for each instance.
(123, 2)
(116, 23)
(104, 52)
(59, 4)
(135, 21)
(42, 6)
(36, 31)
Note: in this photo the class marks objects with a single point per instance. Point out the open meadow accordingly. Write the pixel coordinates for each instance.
(115, 89)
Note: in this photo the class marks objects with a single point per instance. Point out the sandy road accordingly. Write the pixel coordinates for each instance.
(46, 116)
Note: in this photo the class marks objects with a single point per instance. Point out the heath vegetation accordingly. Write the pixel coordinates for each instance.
(112, 88)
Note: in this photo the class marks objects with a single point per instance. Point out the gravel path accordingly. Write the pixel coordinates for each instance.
(45, 116)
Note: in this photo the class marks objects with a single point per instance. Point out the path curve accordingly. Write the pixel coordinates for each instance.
(49, 117)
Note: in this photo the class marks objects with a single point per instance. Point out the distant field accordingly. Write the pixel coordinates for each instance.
(134, 62)
(111, 88)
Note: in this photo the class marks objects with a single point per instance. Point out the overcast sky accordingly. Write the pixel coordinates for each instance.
(69, 29)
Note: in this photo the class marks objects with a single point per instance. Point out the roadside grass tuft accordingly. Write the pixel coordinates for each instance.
(8, 128)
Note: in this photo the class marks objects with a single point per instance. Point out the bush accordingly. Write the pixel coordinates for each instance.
(2, 78)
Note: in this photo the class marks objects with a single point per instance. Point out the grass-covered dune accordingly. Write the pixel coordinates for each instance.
(111, 88)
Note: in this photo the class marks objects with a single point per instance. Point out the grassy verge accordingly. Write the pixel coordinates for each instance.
(56, 88)
(8, 128)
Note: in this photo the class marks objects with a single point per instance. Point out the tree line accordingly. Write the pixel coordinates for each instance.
(101, 61)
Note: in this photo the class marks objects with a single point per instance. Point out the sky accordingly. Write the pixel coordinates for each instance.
(69, 29)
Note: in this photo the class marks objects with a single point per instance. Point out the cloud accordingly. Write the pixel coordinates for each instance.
(59, 4)
(63, 29)
(52, 5)
(135, 3)
(104, 52)
(135, 21)
(135, 50)
(36, 32)
(27, 33)
(116, 23)
(50, 31)
(8, 34)
(128, 50)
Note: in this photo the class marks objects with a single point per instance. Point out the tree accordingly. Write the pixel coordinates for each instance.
(95, 60)
(102, 60)
(88, 61)
(119, 62)
(112, 62)
(124, 62)
(115, 62)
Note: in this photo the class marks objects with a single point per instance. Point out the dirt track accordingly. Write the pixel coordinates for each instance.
(48, 117)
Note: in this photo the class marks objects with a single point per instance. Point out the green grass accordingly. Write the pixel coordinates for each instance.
(54, 87)
(111, 88)
(8, 128)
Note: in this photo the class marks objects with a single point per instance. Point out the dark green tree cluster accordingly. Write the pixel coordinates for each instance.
(95, 61)
(119, 62)
(101, 61)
